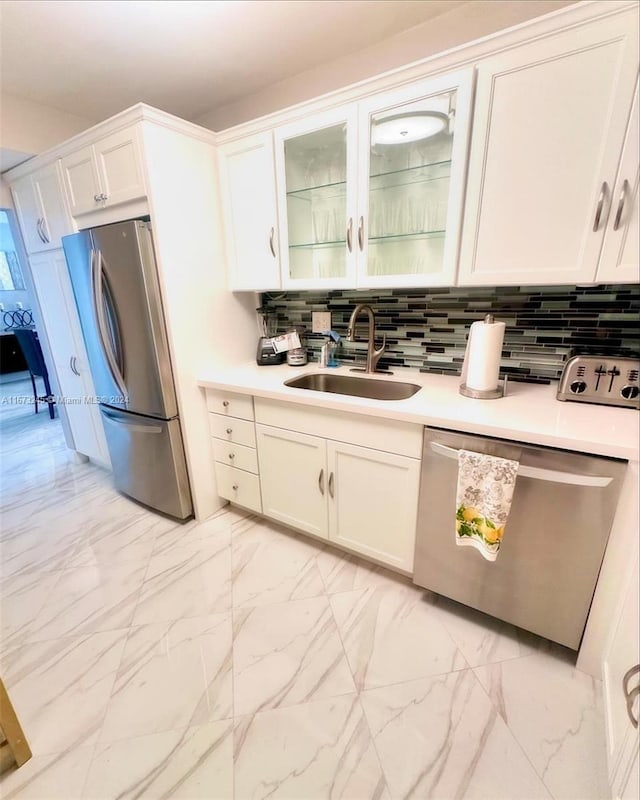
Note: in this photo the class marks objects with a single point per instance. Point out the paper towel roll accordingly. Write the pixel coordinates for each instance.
(481, 368)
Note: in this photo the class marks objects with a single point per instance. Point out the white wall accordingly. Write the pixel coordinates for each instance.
(32, 128)
(470, 21)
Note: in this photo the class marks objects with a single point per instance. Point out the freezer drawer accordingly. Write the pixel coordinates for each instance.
(545, 575)
(148, 460)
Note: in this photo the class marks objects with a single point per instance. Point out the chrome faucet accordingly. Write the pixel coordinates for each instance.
(373, 355)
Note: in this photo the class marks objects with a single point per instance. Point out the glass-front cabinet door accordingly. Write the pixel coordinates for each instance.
(317, 183)
(413, 149)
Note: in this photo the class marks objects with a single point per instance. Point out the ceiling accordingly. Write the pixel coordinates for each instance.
(93, 58)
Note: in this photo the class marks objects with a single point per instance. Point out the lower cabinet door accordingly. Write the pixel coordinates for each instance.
(83, 414)
(293, 478)
(373, 502)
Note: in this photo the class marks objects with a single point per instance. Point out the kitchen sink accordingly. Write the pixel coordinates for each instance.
(356, 387)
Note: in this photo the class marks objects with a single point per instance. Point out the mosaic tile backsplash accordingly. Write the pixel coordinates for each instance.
(428, 329)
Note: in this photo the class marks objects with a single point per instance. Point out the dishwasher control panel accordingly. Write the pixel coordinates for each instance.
(597, 379)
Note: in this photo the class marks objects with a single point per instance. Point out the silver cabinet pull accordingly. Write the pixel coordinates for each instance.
(229, 431)
(225, 404)
(72, 364)
(630, 695)
(271, 247)
(39, 229)
(235, 487)
(97, 197)
(603, 193)
(350, 234)
(75, 366)
(361, 233)
(43, 228)
(619, 210)
(232, 456)
(321, 481)
(331, 484)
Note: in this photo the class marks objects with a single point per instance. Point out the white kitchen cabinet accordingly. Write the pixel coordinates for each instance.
(316, 179)
(413, 145)
(41, 208)
(376, 210)
(107, 173)
(622, 653)
(549, 123)
(60, 319)
(248, 188)
(360, 498)
(620, 257)
(373, 502)
(293, 478)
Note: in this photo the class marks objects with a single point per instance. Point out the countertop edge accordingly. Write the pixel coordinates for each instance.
(239, 384)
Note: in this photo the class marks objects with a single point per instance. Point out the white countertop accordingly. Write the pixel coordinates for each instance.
(529, 413)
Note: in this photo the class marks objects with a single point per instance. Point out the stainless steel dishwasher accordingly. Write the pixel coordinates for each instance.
(561, 514)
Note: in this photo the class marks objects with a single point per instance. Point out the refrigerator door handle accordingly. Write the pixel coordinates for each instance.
(136, 427)
(552, 475)
(96, 293)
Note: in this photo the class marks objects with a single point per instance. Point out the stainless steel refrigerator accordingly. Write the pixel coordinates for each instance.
(115, 283)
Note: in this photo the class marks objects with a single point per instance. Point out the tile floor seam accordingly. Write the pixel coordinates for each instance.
(516, 738)
(374, 745)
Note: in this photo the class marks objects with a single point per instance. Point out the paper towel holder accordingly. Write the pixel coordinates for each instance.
(485, 394)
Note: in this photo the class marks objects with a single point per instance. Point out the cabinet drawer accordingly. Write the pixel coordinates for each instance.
(238, 486)
(229, 404)
(235, 455)
(239, 431)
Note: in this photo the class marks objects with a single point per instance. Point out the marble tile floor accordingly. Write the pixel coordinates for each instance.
(234, 659)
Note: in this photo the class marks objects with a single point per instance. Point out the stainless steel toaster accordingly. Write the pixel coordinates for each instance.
(607, 380)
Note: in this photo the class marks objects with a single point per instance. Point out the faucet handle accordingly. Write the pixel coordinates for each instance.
(378, 351)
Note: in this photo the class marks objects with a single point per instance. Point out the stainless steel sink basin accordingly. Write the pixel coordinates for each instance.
(357, 387)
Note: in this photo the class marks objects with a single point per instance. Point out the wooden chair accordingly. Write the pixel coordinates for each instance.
(14, 748)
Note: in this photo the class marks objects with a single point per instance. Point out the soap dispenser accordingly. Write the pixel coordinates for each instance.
(328, 350)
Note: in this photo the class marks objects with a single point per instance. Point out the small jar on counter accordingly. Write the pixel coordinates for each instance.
(298, 356)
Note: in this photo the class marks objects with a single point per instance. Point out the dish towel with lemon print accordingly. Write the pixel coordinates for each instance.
(483, 500)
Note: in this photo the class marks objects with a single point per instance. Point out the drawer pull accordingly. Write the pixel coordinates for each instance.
(235, 487)
(225, 403)
(229, 430)
(232, 455)
(603, 194)
(631, 694)
(331, 484)
(321, 481)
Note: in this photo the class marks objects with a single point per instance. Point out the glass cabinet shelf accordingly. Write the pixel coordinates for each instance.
(406, 237)
(326, 191)
(402, 177)
(318, 245)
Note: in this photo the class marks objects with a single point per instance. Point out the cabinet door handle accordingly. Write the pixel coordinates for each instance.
(630, 695)
(619, 210)
(603, 193)
(321, 481)
(232, 456)
(43, 228)
(229, 431)
(39, 229)
(361, 234)
(72, 364)
(331, 484)
(350, 234)
(235, 487)
(97, 197)
(225, 404)
(271, 247)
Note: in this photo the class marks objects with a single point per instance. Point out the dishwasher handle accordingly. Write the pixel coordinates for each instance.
(537, 473)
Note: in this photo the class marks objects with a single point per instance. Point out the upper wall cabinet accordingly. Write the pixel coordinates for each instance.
(316, 176)
(106, 173)
(412, 153)
(248, 188)
(370, 194)
(41, 208)
(550, 119)
(619, 261)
